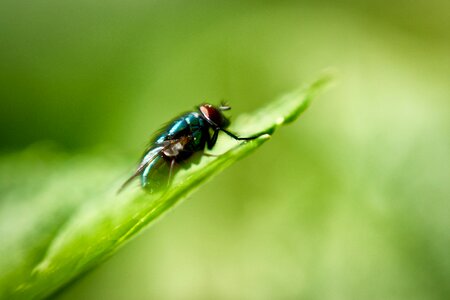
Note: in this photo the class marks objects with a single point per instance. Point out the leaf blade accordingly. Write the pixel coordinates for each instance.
(96, 229)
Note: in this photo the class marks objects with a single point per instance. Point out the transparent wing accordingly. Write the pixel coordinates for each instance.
(147, 159)
(152, 159)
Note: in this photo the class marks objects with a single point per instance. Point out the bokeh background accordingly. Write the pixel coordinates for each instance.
(350, 202)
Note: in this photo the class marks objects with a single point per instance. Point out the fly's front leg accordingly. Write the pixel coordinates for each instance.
(240, 138)
(211, 141)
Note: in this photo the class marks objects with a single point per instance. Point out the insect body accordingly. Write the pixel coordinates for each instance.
(190, 133)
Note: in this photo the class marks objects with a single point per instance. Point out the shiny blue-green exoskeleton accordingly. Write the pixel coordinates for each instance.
(188, 134)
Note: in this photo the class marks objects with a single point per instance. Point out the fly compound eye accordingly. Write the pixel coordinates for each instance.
(212, 114)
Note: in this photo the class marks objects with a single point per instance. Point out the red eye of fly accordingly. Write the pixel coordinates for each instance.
(212, 114)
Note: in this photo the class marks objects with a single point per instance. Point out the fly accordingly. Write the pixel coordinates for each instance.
(188, 134)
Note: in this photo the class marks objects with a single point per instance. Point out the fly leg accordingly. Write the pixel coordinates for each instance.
(210, 154)
(239, 138)
(211, 141)
(169, 180)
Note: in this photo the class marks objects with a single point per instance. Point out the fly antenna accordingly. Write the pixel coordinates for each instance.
(224, 106)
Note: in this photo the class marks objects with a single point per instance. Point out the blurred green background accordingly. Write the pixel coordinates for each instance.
(351, 202)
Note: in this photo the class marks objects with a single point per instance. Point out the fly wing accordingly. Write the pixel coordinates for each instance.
(168, 148)
(148, 157)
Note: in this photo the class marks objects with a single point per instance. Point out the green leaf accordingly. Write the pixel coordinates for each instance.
(61, 215)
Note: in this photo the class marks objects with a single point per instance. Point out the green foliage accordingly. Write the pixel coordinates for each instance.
(63, 216)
